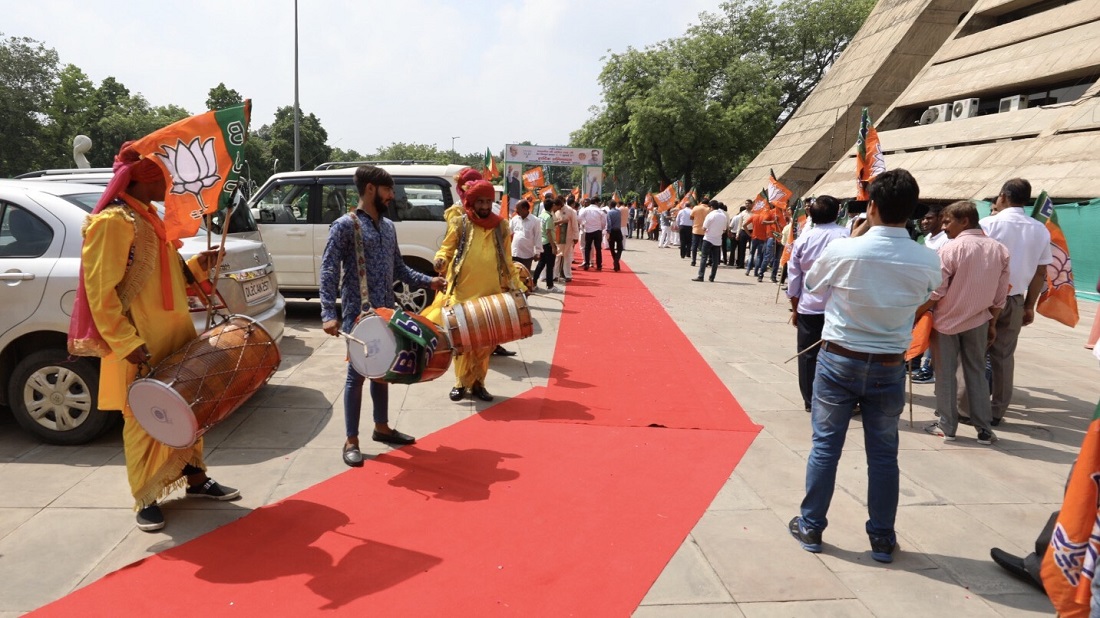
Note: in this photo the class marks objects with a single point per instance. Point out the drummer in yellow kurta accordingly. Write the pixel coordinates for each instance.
(152, 288)
(475, 256)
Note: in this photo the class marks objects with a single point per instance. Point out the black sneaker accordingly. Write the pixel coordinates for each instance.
(882, 548)
(810, 540)
(211, 489)
(924, 377)
(986, 437)
(150, 518)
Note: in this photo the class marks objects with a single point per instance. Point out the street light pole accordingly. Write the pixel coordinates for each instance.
(297, 156)
(453, 153)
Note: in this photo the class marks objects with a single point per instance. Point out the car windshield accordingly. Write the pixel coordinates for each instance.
(86, 201)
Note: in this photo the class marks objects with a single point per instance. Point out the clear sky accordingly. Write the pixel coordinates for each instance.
(374, 72)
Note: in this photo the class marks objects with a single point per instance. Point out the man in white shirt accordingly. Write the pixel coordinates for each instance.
(567, 239)
(526, 234)
(1028, 243)
(683, 223)
(714, 228)
(592, 222)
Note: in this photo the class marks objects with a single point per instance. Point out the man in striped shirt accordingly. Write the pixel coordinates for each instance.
(967, 304)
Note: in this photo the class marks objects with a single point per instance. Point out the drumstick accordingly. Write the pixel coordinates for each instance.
(356, 340)
(803, 352)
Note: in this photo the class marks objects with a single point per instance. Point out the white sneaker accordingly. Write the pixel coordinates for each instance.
(552, 289)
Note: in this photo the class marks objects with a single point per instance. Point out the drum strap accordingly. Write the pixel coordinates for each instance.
(460, 252)
(361, 264)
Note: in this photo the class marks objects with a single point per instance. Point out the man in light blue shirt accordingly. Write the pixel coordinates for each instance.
(809, 307)
(874, 282)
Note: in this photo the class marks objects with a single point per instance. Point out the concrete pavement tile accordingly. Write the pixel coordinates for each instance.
(1020, 523)
(755, 396)
(1020, 605)
(277, 428)
(316, 395)
(852, 478)
(181, 526)
(960, 543)
(766, 373)
(751, 554)
(81, 536)
(38, 485)
(938, 472)
(288, 365)
(919, 593)
(846, 547)
(728, 610)
(309, 467)
(12, 518)
(217, 434)
(736, 495)
(842, 608)
(688, 579)
(255, 472)
(420, 423)
(106, 487)
(14, 442)
(769, 467)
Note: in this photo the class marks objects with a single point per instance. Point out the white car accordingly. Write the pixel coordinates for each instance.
(294, 211)
(51, 394)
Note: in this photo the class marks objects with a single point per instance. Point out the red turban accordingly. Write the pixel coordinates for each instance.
(465, 177)
(471, 191)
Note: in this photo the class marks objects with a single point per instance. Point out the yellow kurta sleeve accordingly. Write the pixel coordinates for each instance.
(107, 241)
(202, 276)
(450, 242)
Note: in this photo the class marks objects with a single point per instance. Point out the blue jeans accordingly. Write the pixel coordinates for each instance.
(769, 258)
(353, 401)
(756, 257)
(879, 389)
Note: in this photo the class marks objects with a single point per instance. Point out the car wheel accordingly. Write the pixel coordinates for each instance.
(412, 299)
(55, 398)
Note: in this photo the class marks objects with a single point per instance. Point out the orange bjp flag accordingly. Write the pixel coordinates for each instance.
(870, 161)
(1070, 561)
(202, 159)
(777, 192)
(534, 178)
(1059, 301)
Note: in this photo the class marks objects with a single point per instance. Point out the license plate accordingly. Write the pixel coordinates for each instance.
(257, 289)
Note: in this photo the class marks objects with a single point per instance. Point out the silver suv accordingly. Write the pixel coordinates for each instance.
(294, 211)
(51, 394)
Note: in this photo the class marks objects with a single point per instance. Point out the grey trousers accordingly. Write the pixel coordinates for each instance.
(1002, 357)
(965, 349)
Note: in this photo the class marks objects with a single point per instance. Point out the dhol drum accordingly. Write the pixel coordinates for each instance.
(377, 348)
(488, 321)
(525, 276)
(202, 383)
(373, 357)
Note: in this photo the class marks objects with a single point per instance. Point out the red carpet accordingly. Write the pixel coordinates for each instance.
(562, 501)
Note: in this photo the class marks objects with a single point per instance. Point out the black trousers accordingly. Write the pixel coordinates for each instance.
(593, 239)
(615, 245)
(809, 332)
(525, 261)
(685, 241)
(742, 243)
(545, 261)
(696, 241)
(710, 257)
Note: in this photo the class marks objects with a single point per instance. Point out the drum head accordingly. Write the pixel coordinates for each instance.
(379, 353)
(163, 413)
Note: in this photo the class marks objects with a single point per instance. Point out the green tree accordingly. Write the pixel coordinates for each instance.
(700, 107)
(71, 112)
(131, 118)
(28, 74)
(313, 148)
(221, 97)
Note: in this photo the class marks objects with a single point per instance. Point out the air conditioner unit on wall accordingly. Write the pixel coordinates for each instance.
(965, 108)
(936, 113)
(1013, 103)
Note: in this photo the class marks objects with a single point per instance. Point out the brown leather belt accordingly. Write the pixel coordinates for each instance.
(885, 359)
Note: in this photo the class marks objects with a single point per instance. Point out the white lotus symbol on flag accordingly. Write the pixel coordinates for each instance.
(193, 167)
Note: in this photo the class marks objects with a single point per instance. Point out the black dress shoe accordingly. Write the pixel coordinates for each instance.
(480, 392)
(500, 351)
(457, 393)
(394, 437)
(1016, 566)
(697, 279)
(352, 456)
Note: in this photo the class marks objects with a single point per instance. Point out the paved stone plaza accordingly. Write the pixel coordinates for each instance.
(65, 516)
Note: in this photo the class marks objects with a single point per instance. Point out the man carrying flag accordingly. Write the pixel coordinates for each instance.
(1059, 300)
(869, 159)
(491, 170)
(1028, 243)
(131, 306)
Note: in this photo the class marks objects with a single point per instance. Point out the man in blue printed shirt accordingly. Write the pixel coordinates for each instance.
(874, 284)
(384, 264)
